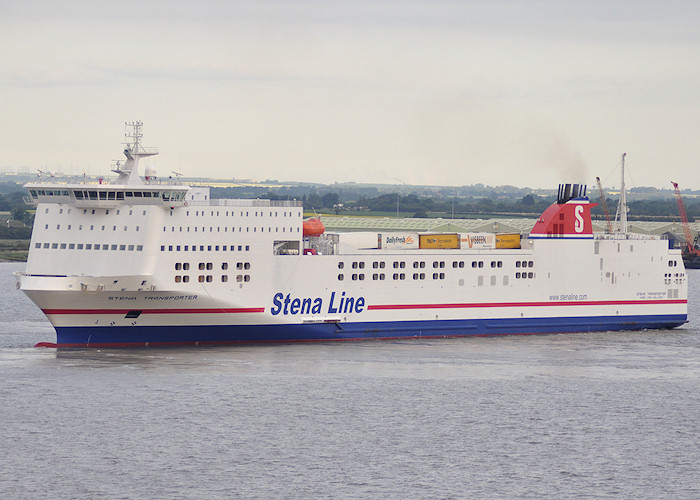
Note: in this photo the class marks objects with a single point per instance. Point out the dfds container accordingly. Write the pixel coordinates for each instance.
(508, 241)
(450, 241)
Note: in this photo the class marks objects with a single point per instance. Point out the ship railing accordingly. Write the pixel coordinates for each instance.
(158, 181)
(629, 236)
(109, 181)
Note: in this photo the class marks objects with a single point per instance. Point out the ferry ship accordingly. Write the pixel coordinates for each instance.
(144, 261)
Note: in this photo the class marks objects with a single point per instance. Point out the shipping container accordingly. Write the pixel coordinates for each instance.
(477, 240)
(398, 241)
(359, 240)
(448, 241)
(508, 241)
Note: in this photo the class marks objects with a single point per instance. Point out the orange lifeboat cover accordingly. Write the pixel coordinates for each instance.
(313, 227)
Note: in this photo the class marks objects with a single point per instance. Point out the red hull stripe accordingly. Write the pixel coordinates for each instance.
(526, 304)
(157, 311)
(380, 307)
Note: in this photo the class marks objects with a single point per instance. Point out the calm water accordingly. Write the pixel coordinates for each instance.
(558, 416)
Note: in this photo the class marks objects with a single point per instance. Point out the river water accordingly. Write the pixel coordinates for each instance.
(595, 415)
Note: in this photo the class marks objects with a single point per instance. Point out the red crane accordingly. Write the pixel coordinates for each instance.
(690, 251)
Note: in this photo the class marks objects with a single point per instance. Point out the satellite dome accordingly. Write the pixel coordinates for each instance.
(150, 171)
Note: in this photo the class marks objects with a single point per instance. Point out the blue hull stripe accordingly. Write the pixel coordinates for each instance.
(89, 336)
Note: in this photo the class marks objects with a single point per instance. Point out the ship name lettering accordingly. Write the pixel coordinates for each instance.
(286, 304)
(289, 305)
(346, 304)
(171, 297)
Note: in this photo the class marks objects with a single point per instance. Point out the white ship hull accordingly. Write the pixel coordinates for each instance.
(571, 289)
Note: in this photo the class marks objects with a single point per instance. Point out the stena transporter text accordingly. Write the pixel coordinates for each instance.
(141, 261)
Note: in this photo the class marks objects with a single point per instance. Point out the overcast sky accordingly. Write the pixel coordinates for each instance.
(529, 93)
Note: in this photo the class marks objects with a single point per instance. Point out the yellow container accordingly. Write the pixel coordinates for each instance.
(450, 240)
(507, 241)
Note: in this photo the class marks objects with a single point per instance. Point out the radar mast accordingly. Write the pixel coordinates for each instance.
(622, 205)
(133, 151)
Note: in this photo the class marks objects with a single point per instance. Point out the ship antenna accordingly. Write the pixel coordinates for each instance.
(128, 173)
(133, 132)
(623, 199)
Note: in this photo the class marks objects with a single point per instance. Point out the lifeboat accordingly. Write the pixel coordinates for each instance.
(313, 227)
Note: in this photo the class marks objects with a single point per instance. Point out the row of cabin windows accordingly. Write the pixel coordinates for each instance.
(89, 246)
(436, 276)
(397, 265)
(202, 213)
(92, 227)
(233, 229)
(678, 278)
(208, 266)
(197, 213)
(396, 276)
(480, 264)
(421, 276)
(93, 211)
(203, 248)
(240, 278)
(436, 264)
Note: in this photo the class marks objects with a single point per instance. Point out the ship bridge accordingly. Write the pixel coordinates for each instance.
(106, 195)
(128, 188)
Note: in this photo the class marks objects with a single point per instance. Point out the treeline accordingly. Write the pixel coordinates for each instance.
(418, 206)
(529, 205)
(413, 205)
(11, 201)
(15, 233)
(491, 202)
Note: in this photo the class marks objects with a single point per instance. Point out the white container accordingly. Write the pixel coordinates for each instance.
(399, 241)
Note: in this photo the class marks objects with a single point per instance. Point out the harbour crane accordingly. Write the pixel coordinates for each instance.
(691, 254)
